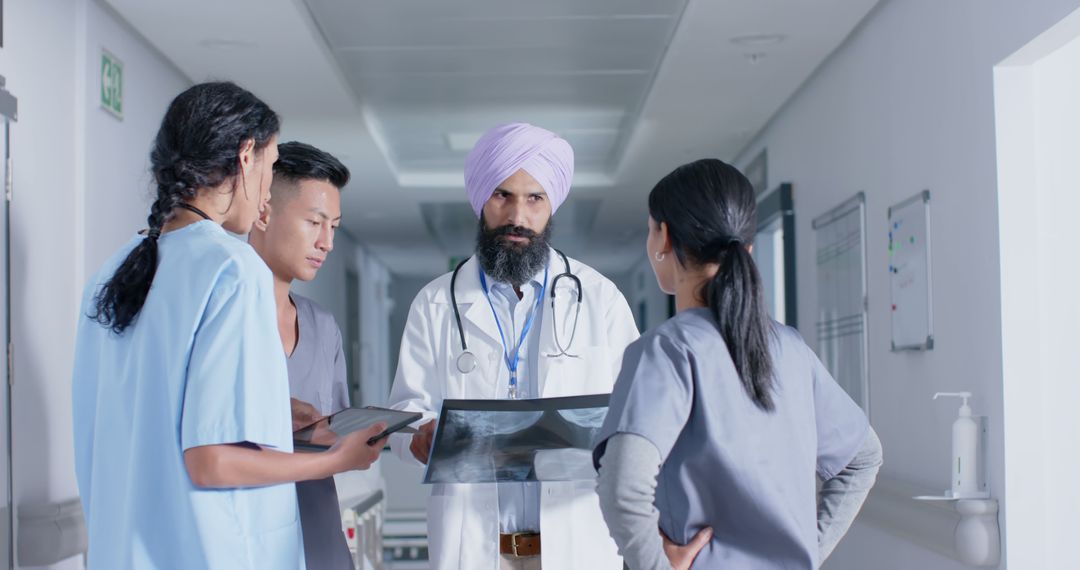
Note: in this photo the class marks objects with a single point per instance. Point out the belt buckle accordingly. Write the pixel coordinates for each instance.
(514, 541)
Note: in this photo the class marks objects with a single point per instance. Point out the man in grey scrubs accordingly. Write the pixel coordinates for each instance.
(293, 237)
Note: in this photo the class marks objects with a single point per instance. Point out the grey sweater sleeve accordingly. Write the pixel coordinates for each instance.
(627, 489)
(842, 496)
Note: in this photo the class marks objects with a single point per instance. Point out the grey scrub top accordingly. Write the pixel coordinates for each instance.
(747, 473)
(317, 376)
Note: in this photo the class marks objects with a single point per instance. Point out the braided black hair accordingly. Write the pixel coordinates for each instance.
(197, 146)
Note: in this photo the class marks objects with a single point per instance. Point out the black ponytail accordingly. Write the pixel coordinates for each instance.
(197, 147)
(711, 215)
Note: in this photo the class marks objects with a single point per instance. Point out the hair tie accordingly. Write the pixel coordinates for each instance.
(154, 233)
(734, 241)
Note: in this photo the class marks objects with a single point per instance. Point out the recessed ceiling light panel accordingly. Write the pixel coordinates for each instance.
(759, 40)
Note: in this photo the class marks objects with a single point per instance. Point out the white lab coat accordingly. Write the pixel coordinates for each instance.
(463, 520)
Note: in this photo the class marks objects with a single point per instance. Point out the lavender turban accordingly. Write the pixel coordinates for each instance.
(505, 149)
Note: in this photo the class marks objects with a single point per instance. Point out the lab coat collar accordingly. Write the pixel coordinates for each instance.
(474, 307)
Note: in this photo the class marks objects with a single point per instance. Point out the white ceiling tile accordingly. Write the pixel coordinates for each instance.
(430, 70)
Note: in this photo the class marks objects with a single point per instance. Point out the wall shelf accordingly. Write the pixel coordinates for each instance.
(965, 530)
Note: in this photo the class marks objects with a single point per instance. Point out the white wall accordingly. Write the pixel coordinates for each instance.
(116, 155)
(640, 288)
(907, 103)
(38, 60)
(80, 192)
(1038, 116)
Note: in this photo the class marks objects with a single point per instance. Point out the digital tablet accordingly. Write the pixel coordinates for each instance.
(322, 434)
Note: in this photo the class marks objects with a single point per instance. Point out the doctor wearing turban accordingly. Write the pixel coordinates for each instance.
(516, 178)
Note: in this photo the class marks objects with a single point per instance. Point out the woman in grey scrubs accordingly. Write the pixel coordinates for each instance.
(721, 417)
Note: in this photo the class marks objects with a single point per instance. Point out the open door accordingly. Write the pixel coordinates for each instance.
(774, 253)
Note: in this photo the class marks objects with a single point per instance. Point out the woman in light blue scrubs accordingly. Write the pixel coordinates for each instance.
(721, 418)
(183, 442)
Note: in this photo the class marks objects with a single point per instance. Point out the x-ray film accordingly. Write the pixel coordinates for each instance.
(488, 441)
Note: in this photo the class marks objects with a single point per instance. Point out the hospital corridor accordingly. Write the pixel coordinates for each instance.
(569, 284)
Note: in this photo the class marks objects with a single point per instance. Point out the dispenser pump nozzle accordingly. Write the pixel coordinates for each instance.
(965, 409)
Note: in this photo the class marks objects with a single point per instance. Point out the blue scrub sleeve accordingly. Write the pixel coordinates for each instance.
(653, 395)
(840, 422)
(237, 386)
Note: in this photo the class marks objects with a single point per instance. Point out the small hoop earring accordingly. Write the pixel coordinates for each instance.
(659, 256)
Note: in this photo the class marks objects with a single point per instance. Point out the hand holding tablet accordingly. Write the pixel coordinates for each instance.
(322, 434)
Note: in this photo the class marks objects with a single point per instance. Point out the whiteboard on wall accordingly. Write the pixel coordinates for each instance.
(842, 305)
(909, 274)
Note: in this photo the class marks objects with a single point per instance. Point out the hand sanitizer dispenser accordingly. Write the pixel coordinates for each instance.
(965, 445)
(976, 536)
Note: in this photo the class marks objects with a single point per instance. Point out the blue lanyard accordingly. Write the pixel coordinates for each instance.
(512, 362)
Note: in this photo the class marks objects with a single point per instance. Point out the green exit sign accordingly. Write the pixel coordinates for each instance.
(112, 84)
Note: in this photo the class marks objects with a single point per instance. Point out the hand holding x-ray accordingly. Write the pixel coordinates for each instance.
(421, 442)
(488, 441)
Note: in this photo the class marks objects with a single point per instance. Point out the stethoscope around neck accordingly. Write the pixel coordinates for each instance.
(467, 361)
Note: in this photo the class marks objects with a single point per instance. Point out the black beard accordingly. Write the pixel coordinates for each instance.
(509, 262)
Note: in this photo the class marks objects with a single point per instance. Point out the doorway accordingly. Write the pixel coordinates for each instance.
(1037, 113)
(774, 253)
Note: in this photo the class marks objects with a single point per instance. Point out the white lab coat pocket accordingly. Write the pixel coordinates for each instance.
(589, 373)
(444, 536)
(477, 384)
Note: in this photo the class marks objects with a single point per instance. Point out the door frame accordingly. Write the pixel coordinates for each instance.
(779, 203)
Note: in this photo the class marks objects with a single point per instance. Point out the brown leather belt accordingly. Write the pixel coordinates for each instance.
(520, 544)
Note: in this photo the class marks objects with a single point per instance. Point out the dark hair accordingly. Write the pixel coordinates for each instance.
(197, 146)
(298, 161)
(711, 215)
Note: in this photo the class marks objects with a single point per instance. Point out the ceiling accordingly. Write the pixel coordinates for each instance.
(434, 75)
(399, 90)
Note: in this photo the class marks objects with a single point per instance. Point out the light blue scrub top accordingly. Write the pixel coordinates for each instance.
(747, 473)
(201, 365)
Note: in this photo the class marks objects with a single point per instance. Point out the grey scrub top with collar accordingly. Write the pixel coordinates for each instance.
(317, 376)
(747, 473)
